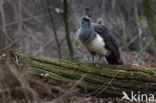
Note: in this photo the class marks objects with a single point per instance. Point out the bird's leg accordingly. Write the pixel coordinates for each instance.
(100, 57)
(92, 58)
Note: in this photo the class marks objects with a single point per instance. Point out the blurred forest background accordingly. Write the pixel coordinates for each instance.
(48, 28)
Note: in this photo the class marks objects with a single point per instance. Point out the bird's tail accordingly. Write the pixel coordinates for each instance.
(112, 60)
(120, 62)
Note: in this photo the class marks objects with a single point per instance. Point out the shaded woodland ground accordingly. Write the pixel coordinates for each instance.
(48, 28)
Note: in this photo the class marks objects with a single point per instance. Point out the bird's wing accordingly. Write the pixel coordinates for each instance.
(109, 39)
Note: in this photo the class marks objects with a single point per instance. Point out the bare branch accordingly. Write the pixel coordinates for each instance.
(42, 47)
(140, 31)
(70, 90)
(20, 16)
(4, 21)
(149, 5)
(24, 82)
(24, 20)
(9, 45)
(54, 28)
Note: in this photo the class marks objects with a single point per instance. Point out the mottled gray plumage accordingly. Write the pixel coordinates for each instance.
(99, 41)
(86, 32)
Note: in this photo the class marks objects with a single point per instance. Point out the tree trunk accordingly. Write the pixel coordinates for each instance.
(95, 79)
(65, 18)
(54, 28)
(151, 18)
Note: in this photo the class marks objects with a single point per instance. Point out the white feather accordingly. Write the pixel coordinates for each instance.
(97, 45)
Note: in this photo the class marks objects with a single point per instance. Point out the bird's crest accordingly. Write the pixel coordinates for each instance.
(87, 17)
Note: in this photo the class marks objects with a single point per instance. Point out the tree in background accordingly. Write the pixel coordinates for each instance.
(54, 28)
(125, 18)
(65, 18)
(151, 18)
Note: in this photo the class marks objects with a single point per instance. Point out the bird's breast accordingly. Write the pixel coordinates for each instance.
(97, 45)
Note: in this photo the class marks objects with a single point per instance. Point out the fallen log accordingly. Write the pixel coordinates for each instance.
(98, 79)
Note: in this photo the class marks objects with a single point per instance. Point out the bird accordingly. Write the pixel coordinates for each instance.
(99, 40)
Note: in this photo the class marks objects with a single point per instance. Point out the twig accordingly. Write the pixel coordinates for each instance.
(130, 42)
(104, 85)
(9, 45)
(24, 20)
(149, 5)
(27, 10)
(110, 82)
(42, 48)
(3, 20)
(69, 91)
(138, 25)
(21, 79)
(20, 16)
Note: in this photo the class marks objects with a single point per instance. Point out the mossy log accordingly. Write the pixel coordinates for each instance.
(96, 79)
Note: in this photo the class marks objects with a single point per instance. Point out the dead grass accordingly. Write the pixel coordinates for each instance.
(17, 85)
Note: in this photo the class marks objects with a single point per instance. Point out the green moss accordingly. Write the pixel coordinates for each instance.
(95, 75)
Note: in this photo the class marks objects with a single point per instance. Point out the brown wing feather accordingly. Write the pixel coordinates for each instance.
(111, 43)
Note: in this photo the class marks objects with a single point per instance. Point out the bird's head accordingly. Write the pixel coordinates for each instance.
(86, 22)
(86, 31)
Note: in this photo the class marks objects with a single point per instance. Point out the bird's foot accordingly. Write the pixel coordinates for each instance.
(92, 58)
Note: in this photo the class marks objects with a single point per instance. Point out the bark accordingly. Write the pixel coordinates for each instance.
(54, 28)
(65, 18)
(98, 79)
(151, 17)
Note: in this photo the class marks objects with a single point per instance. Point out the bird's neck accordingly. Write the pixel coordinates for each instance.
(86, 34)
(86, 30)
